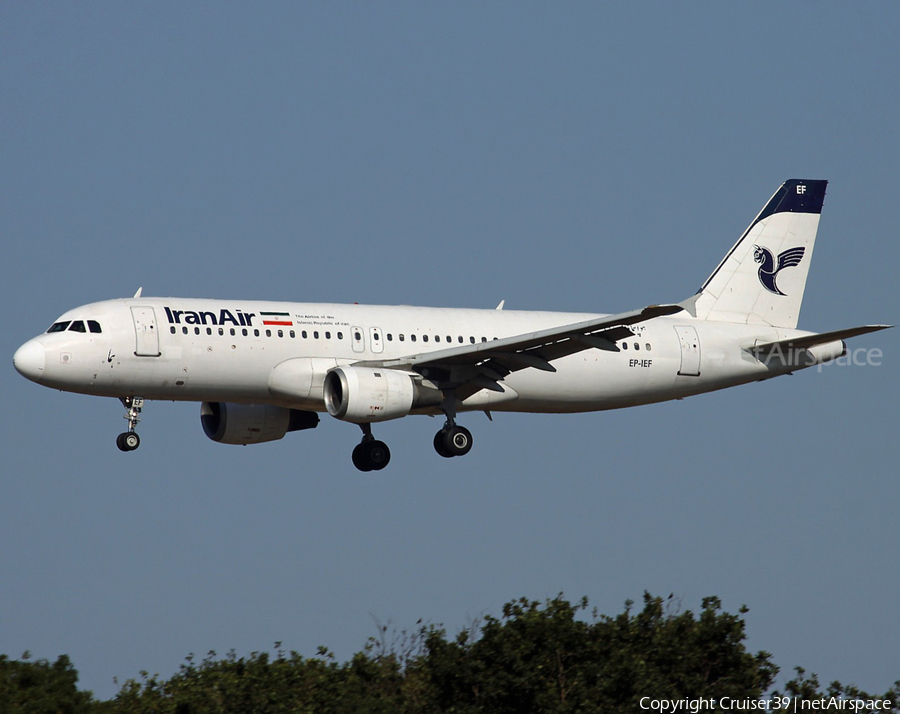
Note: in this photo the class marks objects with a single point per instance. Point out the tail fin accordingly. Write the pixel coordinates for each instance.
(762, 278)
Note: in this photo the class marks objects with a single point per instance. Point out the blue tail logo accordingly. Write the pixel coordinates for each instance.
(768, 270)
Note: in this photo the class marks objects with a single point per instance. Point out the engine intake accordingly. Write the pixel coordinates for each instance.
(364, 394)
(252, 423)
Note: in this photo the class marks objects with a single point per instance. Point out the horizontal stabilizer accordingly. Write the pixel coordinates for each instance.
(808, 341)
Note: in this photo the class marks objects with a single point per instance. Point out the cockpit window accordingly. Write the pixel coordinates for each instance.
(77, 326)
(58, 327)
(94, 326)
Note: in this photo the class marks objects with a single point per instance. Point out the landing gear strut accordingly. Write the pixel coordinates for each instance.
(370, 454)
(129, 440)
(452, 440)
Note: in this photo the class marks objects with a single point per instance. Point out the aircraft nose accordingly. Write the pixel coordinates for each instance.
(29, 360)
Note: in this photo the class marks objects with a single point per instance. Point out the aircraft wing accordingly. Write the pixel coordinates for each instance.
(469, 368)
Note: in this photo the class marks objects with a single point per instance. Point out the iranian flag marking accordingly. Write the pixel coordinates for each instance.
(276, 318)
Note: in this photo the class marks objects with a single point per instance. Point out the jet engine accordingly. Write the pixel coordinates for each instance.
(252, 423)
(364, 394)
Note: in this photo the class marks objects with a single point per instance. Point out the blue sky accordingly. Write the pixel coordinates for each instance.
(579, 157)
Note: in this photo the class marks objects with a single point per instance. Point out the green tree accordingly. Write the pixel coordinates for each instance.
(551, 657)
(260, 684)
(807, 687)
(40, 687)
(544, 658)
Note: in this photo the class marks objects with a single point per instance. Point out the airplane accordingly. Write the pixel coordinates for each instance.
(263, 369)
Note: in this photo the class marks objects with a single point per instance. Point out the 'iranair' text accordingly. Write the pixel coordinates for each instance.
(207, 317)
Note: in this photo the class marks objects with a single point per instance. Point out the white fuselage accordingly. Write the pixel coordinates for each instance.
(224, 351)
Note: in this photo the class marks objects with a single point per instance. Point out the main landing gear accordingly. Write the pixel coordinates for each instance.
(373, 455)
(129, 440)
(370, 454)
(453, 440)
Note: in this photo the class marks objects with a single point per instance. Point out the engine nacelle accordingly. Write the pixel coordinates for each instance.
(365, 394)
(252, 423)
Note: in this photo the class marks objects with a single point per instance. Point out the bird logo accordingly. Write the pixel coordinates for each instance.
(768, 270)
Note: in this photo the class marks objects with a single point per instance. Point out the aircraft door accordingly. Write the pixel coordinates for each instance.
(146, 332)
(375, 339)
(690, 350)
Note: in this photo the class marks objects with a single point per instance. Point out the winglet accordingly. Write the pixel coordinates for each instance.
(500, 306)
(138, 293)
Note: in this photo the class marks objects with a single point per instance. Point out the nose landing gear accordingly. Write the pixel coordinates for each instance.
(370, 454)
(129, 440)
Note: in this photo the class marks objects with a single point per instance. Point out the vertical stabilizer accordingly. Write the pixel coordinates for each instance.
(762, 278)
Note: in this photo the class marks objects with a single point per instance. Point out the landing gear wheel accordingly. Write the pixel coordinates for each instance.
(128, 441)
(371, 455)
(453, 441)
(439, 445)
(360, 458)
(379, 455)
(458, 440)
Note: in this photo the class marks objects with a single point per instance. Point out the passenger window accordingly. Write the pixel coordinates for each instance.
(221, 330)
(77, 326)
(208, 330)
(293, 334)
(647, 346)
(184, 330)
(424, 338)
(94, 326)
(303, 334)
(328, 336)
(460, 339)
(340, 336)
(268, 333)
(281, 333)
(315, 334)
(484, 339)
(172, 329)
(390, 337)
(412, 338)
(401, 337)
(471, 339)
(232, 332)
(58, 327)
(244, 332)
(637, 345)
(256, 333)
(357, 336)
(449, 339)
(196, 330)
(624, 345)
